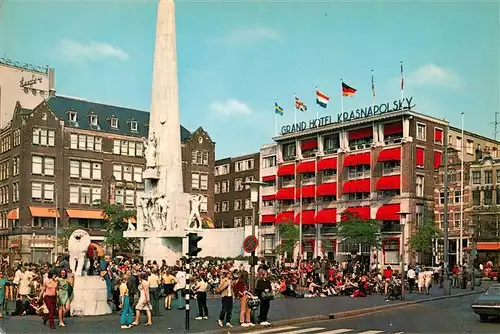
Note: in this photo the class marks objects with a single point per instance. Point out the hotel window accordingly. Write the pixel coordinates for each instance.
(116, 146)
(73, 141)
(72, 116)
(36, 190)
(459, 144)
(51, 138)
(48, 191)
(96, 171)
(138, 174)
(117, 172)
(248, 179)
(476, 177)
(458, 196)
(438, 136)
(204, 181)
(469, 147)
(203, 205)
(195, 181)
(456, 220)
(237, 205)
(419, 186)
(124, 147)
(238, 221)
(131, 148)
(85, 170)
(127, 173)
(225, 206)
(129, 197)
(36, 165)
(82, 142)
(93, 119)
(217, 188)
(488, 177)
(138, 149)
(74, 169)
(225, 186)
(98, 144)
(194, 157)
(238, 184)
(85, 195)
(216, 207)
(119, 196)
(15, 192)
(330, 144)
(421, 131)
(49, 166)
(17, 137)
(96, 195)
(356, 172)
(114, 123)
(269, 162)
(248, 204)
(289, 151)
(390, 167)
(15, 165)
(90, 143)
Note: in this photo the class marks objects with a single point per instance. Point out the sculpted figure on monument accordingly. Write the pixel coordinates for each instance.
(150, 151)
(194, 217)
(78, 245)
(162, 206)
(153, 214)
(130, 226)
(146, 213)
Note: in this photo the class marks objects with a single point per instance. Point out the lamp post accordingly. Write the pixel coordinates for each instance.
(33, 247)
(403, 217)
(254, 198)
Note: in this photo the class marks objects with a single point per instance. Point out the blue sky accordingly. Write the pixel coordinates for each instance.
(235, 57)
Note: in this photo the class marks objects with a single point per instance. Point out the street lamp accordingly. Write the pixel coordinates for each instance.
(254, 198)
(403, 216)
(33, 247)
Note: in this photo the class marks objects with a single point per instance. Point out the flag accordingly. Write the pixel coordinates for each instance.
(373, 87)
(322, 99)
(348, 90)
(278, 109)
(402, 77)
(299, 105)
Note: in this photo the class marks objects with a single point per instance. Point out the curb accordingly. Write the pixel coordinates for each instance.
(341, 315)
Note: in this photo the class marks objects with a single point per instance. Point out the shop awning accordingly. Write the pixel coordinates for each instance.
(362, 212)
(438, 157)
(393, 128)
(269, 178)
(309, 144)
(85, 214)
(306, 167)
(286, 170)
(356, 186)
(327, 216)
(361, 133)
(327, 189)
(392, 182)
(357, 159)
(267, 218)
(419, 159)
(269, 197)
(388, 212)
(306, 192)
(486, 246)
(307, 217)
(284, 217)
(42, 211)
(391, 154)
(329, 163)
(13, 214)
(286, 194)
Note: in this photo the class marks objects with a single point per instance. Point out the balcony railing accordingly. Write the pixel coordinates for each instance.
(330, 150)
(288, 183)
(358, 175)
(309, 153)
(289, 157)
(391, 170)
(329, 178)
(307, 230)
(393, 140)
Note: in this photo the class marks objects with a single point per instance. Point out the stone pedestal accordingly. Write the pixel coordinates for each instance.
(89, 297)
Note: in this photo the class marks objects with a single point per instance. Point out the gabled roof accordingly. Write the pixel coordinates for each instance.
(62, 105)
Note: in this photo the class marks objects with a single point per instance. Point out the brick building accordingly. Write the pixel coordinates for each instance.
(232, 204)
(67, 154)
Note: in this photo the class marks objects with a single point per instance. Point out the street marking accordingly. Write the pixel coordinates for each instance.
(307, 330)
(273, 330)
(371, 332)
(338, 331)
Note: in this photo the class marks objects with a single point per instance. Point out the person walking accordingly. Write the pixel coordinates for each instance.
(144, 303)
(154, 292)
(201, 296)
(226, 290)
(62, 296)
(411, 278)
(125, 305)
(4, 285)
(168, 288)
(180, 286)
(49, 294)
(242, 292)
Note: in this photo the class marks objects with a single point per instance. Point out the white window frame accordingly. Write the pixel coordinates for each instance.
(96, 195)
(36, 136)
(85, 195)
(48, 192)
(437, 128)
(37, 165)
(73, 116)
(118, 172)
(93, 120)
(96, 171)
(424, 132)
(116, 146)
(129, 197)
(127, 173)
(74, 169)
(73, 142)
(49, 166)
(82, 142)
(51, 138)
(36, 190)
(114, 123)
(419, 185)
(133, 126)
(195, 181)
(98, 144)
(86, 170)
(137, 174)
(203, 181)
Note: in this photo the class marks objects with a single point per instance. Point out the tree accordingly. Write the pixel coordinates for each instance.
(289, 234)
(357, 231)
(421, 241)
(116, 217)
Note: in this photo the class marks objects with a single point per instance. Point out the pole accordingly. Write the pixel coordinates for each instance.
(295, 107)
(403, 260)
(301, 252)
(402, 82)
(472, 259)
(252, 265)
(33, 247)
(460, 256)
(445, 234)
(56, 233)
(341, 97)
(275, 124)
(188, 267)
(316, 179)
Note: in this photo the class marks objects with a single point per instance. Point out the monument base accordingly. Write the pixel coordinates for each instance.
(162, 248)
(89, 297)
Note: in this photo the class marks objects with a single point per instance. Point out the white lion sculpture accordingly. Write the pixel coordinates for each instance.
(78, 244)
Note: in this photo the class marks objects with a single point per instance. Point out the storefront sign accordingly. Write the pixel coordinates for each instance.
(380, 109)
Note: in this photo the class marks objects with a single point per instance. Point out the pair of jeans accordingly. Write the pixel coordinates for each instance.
(51, 303)
(154, 296)
(181, 302)
(244, 310)
(227, 309)
(201, 297)
(265, 304)
(411, 284)
(127, 312)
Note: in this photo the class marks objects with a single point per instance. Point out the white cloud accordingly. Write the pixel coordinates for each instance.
(231, 107)
(431, 74)
(72, 50)
(251, 35)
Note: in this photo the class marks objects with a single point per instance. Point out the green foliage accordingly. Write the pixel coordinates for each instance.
(358, 231)
(422, 240)
(116, 217)
(289, 234)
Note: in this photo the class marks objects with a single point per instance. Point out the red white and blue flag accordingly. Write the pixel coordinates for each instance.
(299, 105)
(322, 99)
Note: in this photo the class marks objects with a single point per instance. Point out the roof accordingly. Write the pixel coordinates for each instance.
(61, 105)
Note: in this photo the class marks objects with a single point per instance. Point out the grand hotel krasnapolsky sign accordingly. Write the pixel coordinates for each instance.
(379, 109)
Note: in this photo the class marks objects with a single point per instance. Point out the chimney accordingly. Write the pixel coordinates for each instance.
(479, 153)
(52, 82)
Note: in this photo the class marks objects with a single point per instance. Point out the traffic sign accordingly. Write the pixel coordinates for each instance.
(474, 252)
(250, 244)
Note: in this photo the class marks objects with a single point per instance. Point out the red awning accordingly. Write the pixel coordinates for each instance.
(269, 178)
(362, 212)
(267, 218)
(357, 159)
(284, 217)
(420, 156)
(13, 214)
(393, 128)
(327, 189)
(438, 135)
(356, 186)
(487, 246)
(388, 212)
(330, 163)
(286, 170)
(392, 182)
(327, 216)
(307, 217)
(269, 197)
(391, 154)
(306, 167)
(309, 144)
(361, 133)
(286, 194)
(306, 192)
(438, 158)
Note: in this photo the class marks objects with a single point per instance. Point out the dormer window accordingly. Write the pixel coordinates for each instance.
(72, 116)
(133, 126)
(114, 123)
(93, 120)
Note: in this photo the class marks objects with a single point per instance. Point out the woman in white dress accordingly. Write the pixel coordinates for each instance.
(144, 303)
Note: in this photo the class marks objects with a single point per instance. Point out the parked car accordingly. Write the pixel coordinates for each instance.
(488, 303)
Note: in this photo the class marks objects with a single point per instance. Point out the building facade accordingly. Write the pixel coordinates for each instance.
(25, 83)
(66, 155)
(232, 204)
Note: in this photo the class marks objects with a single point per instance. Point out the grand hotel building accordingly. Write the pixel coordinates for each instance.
(379, 167)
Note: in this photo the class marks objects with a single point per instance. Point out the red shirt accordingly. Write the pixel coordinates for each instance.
(388, 273)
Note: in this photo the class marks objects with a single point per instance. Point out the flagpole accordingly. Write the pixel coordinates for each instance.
(295, 107)
(317, 108)
(402, 82)
(460, 257)
(373, 93)
(341, 97)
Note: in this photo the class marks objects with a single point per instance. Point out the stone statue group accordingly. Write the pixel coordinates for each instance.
(155, 213)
